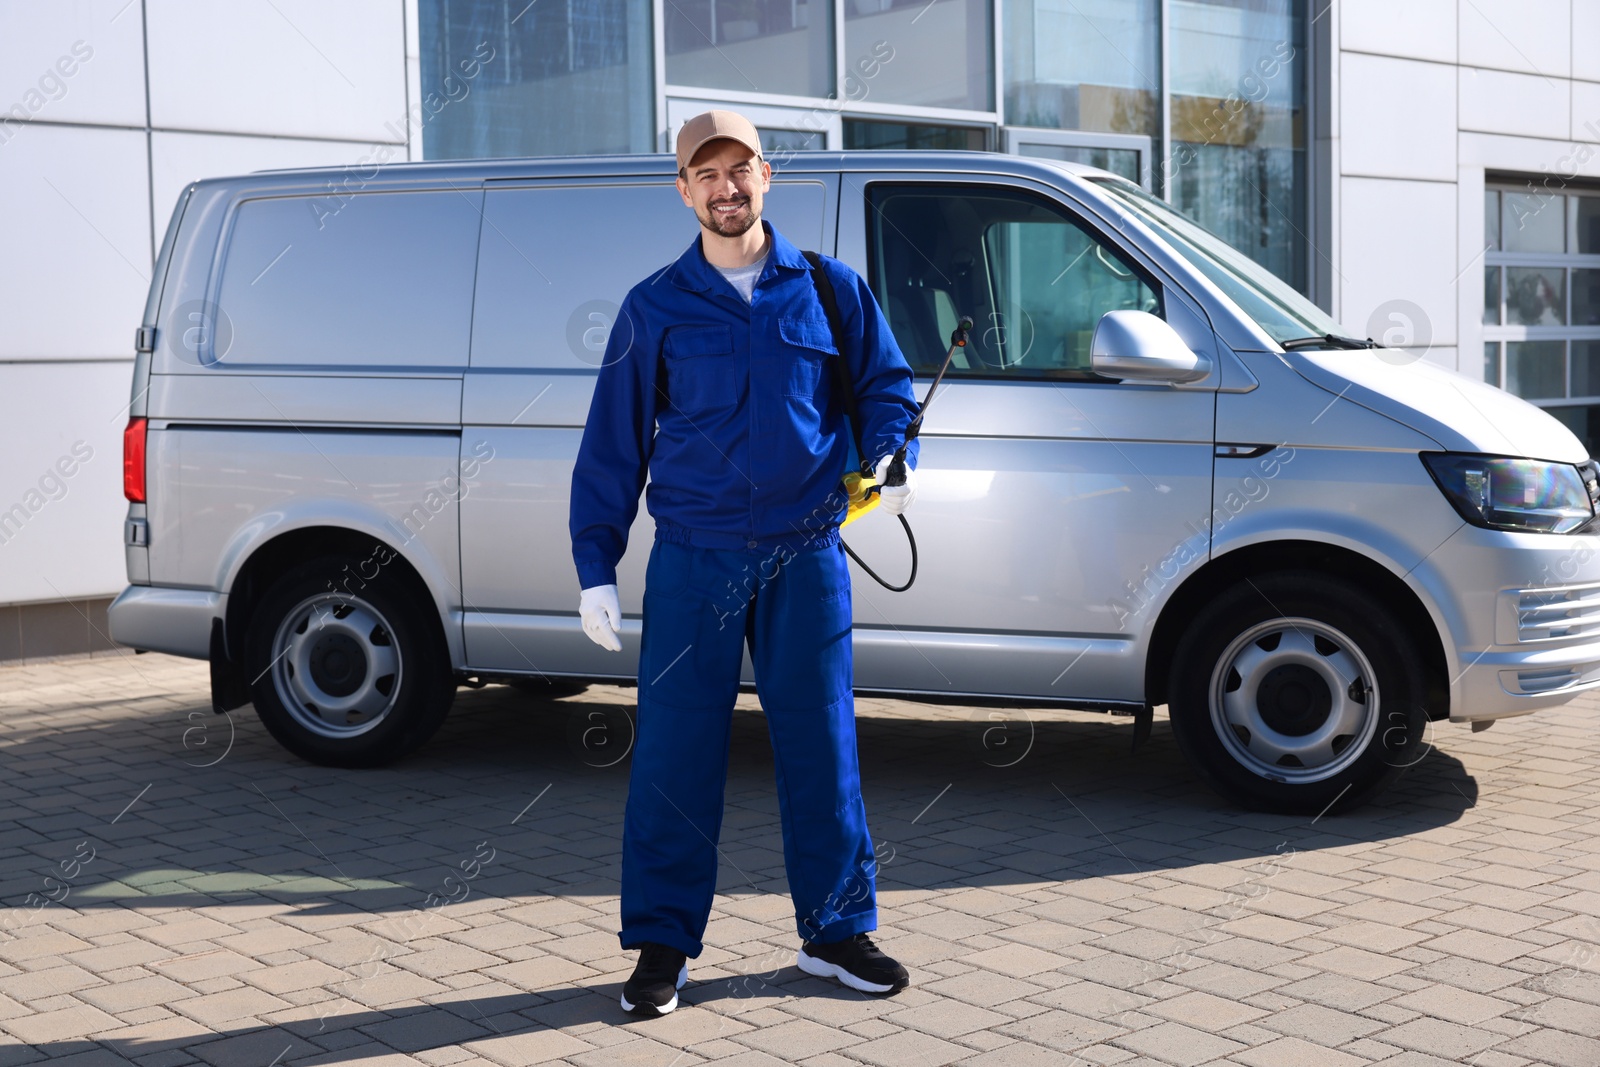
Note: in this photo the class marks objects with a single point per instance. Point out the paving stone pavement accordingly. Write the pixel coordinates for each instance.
(181, 890)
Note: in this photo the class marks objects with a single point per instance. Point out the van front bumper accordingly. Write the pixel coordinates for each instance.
(1496, 685)
(1521, 616)
(155, 618)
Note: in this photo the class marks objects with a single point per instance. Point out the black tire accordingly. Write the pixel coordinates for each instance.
(549, 686)
(1296, 692)
(349, 675)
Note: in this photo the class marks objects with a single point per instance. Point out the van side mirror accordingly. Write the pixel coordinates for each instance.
(1138, 346)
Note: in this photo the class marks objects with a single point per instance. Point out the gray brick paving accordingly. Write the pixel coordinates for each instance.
(179, 890)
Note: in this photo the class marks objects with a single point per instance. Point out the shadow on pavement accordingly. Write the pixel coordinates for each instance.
(963, 796)
(1014, 799)
(527, 1028)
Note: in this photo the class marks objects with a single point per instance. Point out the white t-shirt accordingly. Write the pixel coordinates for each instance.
(744, 278)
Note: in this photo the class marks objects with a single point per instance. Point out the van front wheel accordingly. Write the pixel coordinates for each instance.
(342, 677)
(1293, 692)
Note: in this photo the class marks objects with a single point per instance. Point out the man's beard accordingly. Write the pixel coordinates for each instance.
(735, 225)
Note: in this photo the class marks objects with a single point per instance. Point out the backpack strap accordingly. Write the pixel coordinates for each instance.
(847, 390)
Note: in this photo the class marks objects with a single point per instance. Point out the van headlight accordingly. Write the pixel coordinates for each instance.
(1507, 493)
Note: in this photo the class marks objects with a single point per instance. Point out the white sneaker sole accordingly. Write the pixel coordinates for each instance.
(824, 969)
(645, 1009)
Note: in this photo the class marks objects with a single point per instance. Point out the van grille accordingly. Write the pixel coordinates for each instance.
(1548, 614)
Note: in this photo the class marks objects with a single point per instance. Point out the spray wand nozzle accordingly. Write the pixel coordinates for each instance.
(896, 474)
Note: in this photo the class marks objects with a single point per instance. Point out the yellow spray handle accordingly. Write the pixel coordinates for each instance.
(857, 485)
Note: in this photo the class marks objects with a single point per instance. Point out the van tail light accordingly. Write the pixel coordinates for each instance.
(133, 460)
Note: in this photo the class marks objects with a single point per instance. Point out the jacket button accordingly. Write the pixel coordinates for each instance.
(750, 544)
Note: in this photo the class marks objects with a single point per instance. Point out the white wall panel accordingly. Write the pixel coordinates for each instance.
(1528, 156)
(1397, 242)
(72, 62)
(1523, 104)
(1586, 27)
(1382, 140)
(414, 77)
(76, 266)
(1419, 29)
(180, 158)
(1469, 266)
(293, 67)
(1586, 108)
(1526, 35)
(66, 539)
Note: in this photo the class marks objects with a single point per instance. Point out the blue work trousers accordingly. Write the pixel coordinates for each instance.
(701, 605)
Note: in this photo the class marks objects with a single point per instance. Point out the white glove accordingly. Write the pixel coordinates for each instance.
(896, 498)
(602, 615)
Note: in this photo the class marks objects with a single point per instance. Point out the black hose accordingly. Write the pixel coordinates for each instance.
(874, 574)
(958, 339)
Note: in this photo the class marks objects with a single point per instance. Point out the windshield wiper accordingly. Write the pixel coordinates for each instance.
(1328, 340)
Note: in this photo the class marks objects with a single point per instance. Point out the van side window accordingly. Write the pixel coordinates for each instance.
(372, 279)
(558, 259)
(1034, 279)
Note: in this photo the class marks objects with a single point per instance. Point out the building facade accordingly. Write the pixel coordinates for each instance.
(1427, 170)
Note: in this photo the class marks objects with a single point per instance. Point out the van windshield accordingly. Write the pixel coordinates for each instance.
(1279, 310)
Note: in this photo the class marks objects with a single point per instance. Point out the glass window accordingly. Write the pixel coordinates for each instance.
(915, 52)
(1089, 65)
(1238, 126)
(775, 141)
(1586, 368)
(1491, 295)
(1585, 297)
(529, 312)
(1584, 421)
(1123, 161)
(1586, 225)
(510, 78)
(859, 134)
(1532, 222)
(1034, 279)
(1491, 363)
(1491, 219)
(1548, 337)
(758, 46)
(1535, 296)
(1536, 369)
(379, 279)
(1279, 310)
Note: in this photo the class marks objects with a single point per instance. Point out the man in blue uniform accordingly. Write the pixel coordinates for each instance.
(718, 381)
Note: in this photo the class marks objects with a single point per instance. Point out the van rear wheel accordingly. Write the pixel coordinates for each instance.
(348, 676)
(1293, 692)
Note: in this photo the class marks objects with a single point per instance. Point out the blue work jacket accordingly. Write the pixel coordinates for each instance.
(732, 408)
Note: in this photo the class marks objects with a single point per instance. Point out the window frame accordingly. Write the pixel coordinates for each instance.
(1500, 334)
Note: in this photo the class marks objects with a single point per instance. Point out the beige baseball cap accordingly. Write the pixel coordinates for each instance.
(709, 126)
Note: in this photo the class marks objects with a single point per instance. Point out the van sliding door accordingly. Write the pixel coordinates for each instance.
(556, 259)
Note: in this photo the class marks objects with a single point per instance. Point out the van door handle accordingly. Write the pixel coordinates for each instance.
(1241, 451)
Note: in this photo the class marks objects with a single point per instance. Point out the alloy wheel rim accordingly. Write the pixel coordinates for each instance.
(1294, 700)
(335, 665)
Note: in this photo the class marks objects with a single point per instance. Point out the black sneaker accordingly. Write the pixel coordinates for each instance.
(660, 973)
(856, 962)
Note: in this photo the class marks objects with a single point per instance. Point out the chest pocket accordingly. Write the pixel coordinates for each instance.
(808, 343)
(700, 369)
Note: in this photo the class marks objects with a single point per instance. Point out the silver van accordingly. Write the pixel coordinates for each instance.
(1157, 475)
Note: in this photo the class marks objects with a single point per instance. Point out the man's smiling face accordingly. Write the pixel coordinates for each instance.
(725, 183)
